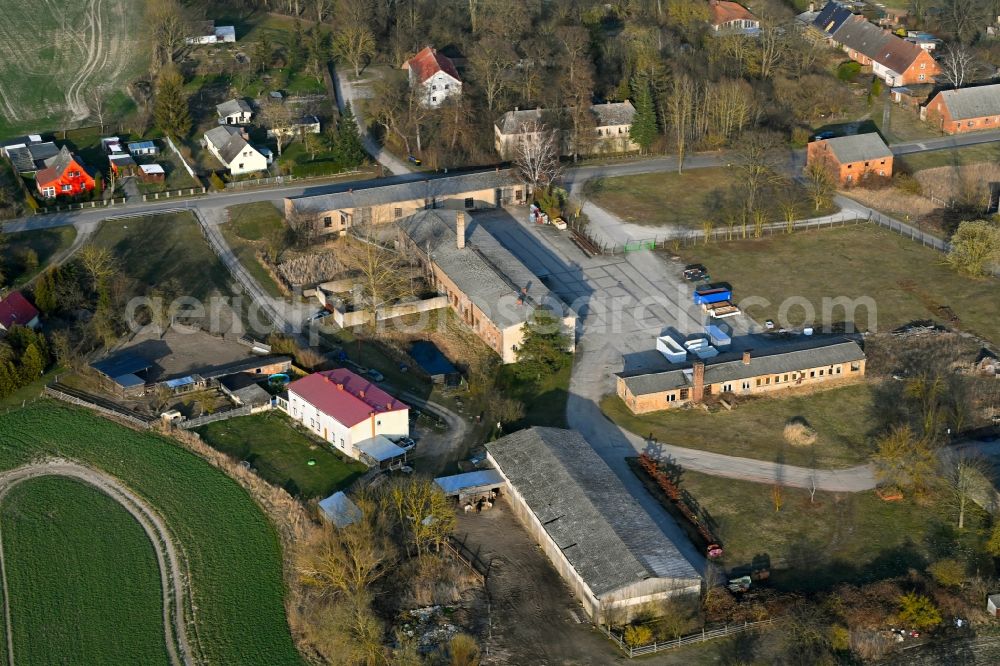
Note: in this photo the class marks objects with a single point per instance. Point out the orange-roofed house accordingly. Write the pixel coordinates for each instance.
(63, 175)
(348, 411)
(435, 73)
(732, 17)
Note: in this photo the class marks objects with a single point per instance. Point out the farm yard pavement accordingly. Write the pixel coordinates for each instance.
(174, 589)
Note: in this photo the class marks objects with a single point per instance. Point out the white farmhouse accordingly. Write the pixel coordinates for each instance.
(435, 73)
(229, 145)
(351, 413)
(234, 112)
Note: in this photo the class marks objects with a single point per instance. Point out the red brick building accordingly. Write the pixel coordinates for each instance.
(965, 109)
(851, 159)
(63, 175)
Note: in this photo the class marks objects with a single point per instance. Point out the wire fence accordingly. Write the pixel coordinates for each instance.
(705, 635)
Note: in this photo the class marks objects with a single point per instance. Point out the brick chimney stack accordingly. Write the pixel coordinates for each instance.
(746, 357)
(698, 392)
(460, 230)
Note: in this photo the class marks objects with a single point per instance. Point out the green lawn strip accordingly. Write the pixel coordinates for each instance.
(233, 552)
(30, 391)
(905, 280)
(82, 577)
(155, 249)
(544, 400)
(46, 243)
(838, 538)
(984, 152)
(281, 453)
(682, 200)
(754, 428)
(248, 228)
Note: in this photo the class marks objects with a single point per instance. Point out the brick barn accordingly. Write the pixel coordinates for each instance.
(965, 109)
(851, 159)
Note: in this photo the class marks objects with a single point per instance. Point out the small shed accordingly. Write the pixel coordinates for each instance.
(339, 510)
(470, 485)
(152, 173)
(993, 604)
(143, 148)
(434, 363)
(379, 451)
(124, 371)
(122, 164)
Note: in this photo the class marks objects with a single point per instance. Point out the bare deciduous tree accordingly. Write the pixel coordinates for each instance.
(967, 479)
(680, 109)
(381, 279)
(492, 65)
(98, 261)
(277, 116)
(536, 156)
(169, 25)
(958, 65)
(819, 184)
(355, 43)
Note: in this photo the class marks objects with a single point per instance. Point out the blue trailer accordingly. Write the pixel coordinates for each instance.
(712, 294)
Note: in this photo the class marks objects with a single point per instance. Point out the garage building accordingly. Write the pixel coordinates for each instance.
(600, 540)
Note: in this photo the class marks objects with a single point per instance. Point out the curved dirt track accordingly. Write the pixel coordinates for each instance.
(171, 581)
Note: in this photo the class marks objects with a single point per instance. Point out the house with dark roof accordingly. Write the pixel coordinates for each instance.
(16, 310)
(608, 549)
(381, 204)
(234, 112)
(435, 75)
(892, 58)
(612, 122)
(28, 154)
(230, 146)
(486, 285)
(727, 17)
(965, 109)
(349, 412)
(778, 370)
(851, 159)
(64, 175)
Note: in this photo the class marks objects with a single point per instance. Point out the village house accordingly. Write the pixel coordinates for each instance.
(617, 561)
(207, 32)
(349, 412)
(436, 75)
(16, 310)
(143, 149)
(229, 145)
(892, 58)
(234, 112)
(28, 154)
(851, 159)
(613, 122)
(487, 286)
(152, 173)
(750, 375)
(732, 17)
(965, 109)
(63, 175)
(335, 213)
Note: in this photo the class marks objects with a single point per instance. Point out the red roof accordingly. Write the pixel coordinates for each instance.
(429, 62)
(723, 12)
(347, 397)
(16, 309)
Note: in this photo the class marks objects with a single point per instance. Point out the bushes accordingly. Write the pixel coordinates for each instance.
(948, 572)
(636, 636)
(847, 71)
(216, 182)
(798, 432)
(918, 611)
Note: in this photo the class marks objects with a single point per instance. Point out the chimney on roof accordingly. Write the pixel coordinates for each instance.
(698, 392)
(746, 357)
(340, 387)
(460, 230)
(361, 394)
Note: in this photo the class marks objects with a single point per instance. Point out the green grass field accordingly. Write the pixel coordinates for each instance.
(838, 538)
(906, 280)
(46, 244)
(754, 428)
(69, 543)
(280, 452)
(232, 551)
(249, 227)
(91, 46)
(158, 248)
(682, 200)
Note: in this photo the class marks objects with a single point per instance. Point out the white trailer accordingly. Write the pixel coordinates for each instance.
(671, 349)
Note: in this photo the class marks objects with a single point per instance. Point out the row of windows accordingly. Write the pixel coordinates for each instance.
(785, 378)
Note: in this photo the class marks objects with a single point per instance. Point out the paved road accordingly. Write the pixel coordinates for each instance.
(174, 589)
(945, 142)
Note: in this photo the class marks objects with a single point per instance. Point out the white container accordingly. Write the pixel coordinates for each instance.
(706, 352)
(671, 349)
(720, 340)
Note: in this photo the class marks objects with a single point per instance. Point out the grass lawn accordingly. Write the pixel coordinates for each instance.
(754, 428)
(30, 391)
(681, 200)
(247, 231)
(906, 280)
(984, 152)
(67, 541)
(46, 243)
(280, 453)
(233, 553)
(158, 248)
(841, 537)
(904, 124)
